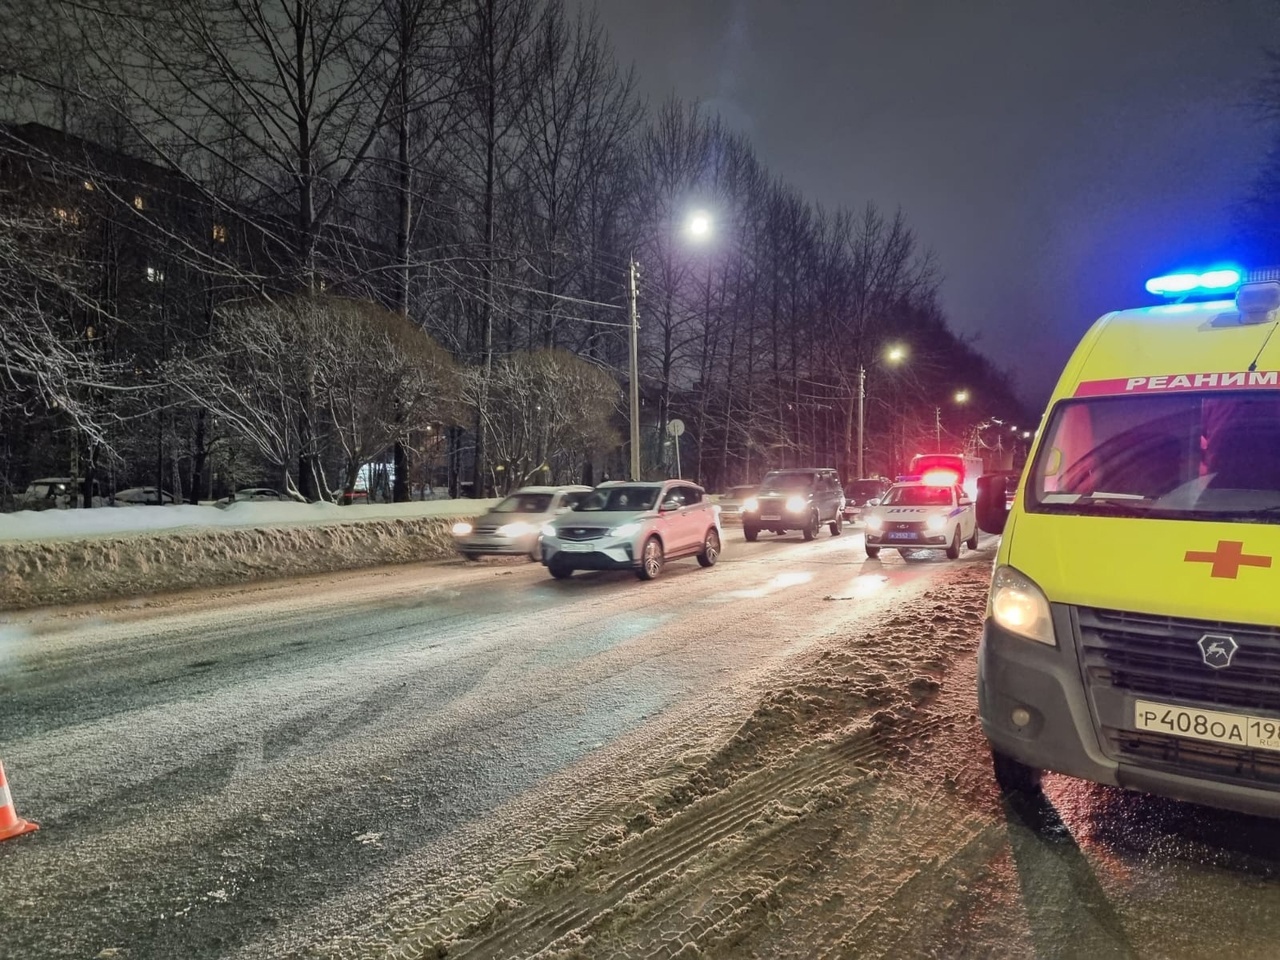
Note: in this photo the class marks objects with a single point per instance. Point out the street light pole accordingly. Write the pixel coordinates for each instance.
(635, 372)
(862, 402)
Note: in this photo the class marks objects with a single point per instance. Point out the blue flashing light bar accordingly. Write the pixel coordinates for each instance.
(1220, 280)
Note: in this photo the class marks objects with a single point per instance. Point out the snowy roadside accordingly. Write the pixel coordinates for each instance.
(78, 556)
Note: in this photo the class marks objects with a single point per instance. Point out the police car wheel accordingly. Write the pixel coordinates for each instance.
(1014, 776)
(972, 542)
(873, 553)
(953, 551)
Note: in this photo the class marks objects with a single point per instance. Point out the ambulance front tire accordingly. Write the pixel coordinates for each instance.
(1014, 776)
(953, 551)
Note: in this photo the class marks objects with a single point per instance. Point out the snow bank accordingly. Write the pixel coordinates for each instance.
(59, 571)
(119, 521)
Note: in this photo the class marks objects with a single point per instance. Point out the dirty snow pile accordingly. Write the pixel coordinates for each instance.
(74, 556)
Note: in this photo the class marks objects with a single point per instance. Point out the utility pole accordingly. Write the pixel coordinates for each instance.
(635, 372)
(862, 401)
(937, 428)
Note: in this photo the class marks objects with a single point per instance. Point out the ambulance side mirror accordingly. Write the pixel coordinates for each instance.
(993, 502)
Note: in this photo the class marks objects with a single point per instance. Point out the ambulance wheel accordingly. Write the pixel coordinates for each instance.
(873, 553)
(1014, 776)
(972, 542)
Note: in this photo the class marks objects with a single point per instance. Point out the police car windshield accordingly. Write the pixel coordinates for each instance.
(917, 497)
(1193, 456)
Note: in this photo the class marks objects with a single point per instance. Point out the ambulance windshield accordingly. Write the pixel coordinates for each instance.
(1190, 456)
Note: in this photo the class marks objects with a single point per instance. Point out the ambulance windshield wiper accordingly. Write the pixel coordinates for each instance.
(1270, 514)
(1118, 503)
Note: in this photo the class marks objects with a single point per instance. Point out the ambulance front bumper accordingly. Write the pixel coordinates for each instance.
(1021, 679)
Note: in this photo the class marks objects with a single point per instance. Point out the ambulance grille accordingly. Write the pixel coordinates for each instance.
(1159, 657)
(1216, 761)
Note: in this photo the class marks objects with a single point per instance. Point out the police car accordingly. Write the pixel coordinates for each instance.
(931, 512)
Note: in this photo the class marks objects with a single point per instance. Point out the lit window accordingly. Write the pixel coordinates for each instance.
(219, 233)
(154, 274)
(137, 202)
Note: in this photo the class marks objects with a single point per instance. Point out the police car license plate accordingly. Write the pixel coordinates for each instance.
(902, 536)
(578, 547)
(1237, 729)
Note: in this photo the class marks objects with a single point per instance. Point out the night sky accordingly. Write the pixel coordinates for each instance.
(1052, 153)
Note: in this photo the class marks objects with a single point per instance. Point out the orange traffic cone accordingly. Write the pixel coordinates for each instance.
(11, 825)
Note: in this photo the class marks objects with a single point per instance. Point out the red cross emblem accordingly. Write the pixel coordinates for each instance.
(1228, 559)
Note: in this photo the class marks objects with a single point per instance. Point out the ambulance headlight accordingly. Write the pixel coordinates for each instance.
(1019, 606)
(796, 504)
(873, 522)
(935, 523)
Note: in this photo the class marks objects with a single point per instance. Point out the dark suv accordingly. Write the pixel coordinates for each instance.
(803, 498)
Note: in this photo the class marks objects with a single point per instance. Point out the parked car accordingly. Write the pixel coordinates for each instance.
(861, 494)
(633, 526)
(252, 495)
(918, 515)
(801, 499)
(142, 496)
(515, 525)
(56, 493)
(731, 502)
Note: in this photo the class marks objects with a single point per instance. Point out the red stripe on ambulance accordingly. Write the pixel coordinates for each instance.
(1176, 383)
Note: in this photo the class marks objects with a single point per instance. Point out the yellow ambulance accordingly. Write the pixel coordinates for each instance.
(1133, 626)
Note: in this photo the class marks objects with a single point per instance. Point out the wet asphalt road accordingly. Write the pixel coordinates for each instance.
(209, 767)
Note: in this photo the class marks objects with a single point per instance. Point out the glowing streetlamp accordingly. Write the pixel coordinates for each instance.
(699, 225)
(894, 354)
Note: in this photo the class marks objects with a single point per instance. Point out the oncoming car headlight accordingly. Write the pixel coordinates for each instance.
(750, 505)
(796, 504)
(548, 530)
(461, 528)
(1019, 606)
(517, 529)
(873, 522)
(625, 530)
(935, 523)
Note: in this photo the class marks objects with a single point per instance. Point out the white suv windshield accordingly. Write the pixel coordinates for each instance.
(620, 499)
(1195, 456)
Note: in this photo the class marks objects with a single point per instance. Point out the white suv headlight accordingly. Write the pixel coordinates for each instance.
(625, 530)
(1019, 606)
(548, 530)
(796, 504)
(750, 505)
(461, 528)
(517, 529)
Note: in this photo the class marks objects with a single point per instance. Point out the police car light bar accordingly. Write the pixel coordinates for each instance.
(1222, 280)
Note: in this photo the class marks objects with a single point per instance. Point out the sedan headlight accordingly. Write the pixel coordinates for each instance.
(548, 530)
(935, 523)
(625, 530)
(517, 529)
(1019, 606)
(461, 528)
(873, 522)
(750, 505)
(796, 504)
